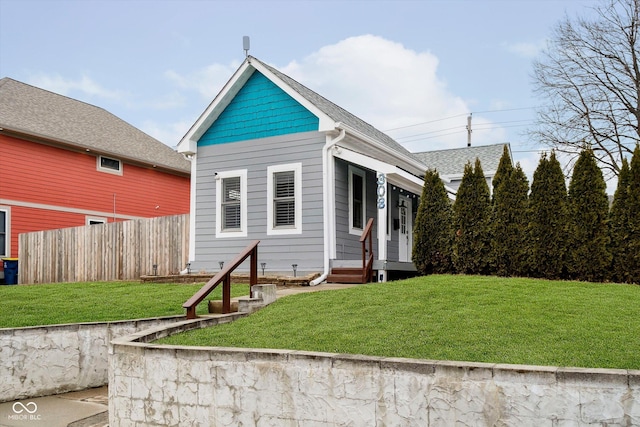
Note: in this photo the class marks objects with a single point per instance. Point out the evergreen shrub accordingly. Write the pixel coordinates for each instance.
(471, 215)
(432, 242)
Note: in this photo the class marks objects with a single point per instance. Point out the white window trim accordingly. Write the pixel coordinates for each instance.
(355, 171)
(242, 173)
(7, 248)
(108, 170)
(95, 220)
(271, 170)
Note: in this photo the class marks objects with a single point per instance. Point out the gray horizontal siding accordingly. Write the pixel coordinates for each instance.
(348, 245)
(278, 251)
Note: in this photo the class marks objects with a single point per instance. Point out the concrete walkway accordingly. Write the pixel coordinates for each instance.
(88, 408)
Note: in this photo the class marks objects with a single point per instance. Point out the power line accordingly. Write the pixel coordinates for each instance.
(435, 136)
(463, 129)
(427, 133)
(460, 115)
(425, 123)
(506, 109)
(506, 122)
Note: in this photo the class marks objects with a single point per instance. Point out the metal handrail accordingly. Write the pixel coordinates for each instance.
(367, 262)
(225, 276)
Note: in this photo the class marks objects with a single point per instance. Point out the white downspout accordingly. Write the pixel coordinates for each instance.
(192, 210)
(327, 203)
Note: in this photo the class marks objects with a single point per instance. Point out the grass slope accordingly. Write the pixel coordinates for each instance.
(466, 318)
(48, 304)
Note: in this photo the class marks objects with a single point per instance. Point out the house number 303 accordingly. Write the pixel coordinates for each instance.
(382, 189)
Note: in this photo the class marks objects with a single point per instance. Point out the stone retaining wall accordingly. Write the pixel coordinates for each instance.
(44, 360)
(153, 385)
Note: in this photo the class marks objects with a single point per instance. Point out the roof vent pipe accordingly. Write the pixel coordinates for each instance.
(246, 45)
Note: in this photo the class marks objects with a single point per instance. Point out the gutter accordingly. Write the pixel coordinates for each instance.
(329, 214)
(401, 157)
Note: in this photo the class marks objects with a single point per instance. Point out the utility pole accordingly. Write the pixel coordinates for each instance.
(469, 130)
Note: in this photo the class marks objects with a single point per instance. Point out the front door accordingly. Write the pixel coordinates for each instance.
(405, 231)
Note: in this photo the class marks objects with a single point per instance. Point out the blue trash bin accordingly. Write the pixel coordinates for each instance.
(10, 271)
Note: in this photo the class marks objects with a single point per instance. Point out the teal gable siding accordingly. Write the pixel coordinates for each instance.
(259, 110)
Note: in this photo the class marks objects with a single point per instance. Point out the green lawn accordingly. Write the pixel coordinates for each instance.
(47, 304)
(466, 318)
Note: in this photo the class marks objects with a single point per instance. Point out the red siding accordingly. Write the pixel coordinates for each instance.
(25, 220)
(37, 173)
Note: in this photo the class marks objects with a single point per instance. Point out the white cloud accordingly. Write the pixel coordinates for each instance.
(528, 50)
(391, 87)
(207, 81)
(85, 85)
(378, 80)
(85, 88)
(169, 133)
(169, 101)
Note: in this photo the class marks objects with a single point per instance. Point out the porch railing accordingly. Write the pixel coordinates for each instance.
(224, 276)
(367, 257)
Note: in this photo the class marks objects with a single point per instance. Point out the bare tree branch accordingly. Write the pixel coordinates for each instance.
(589, 77)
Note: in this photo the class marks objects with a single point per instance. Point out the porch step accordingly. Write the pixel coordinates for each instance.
(345, 275)
(346, 270)
(344, 278)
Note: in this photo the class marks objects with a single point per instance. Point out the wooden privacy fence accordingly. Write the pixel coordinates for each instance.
(101, 252)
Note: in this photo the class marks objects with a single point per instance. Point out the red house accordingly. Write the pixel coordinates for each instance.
(65, 163)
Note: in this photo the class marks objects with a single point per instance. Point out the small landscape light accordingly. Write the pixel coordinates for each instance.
(295, 267)
(221, 264)
(263, 265)
(155, 269)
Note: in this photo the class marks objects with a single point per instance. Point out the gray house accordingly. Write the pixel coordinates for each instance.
(276, 162)
(450, 163)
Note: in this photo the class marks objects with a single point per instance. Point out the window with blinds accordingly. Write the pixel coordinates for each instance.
(284, 199)
(231, 203)
(231, 199)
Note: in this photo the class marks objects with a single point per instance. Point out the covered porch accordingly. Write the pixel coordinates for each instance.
(390, 197)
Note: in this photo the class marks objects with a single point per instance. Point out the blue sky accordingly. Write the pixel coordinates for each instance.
(415, 69)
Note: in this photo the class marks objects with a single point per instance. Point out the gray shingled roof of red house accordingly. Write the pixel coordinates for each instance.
(41, 114)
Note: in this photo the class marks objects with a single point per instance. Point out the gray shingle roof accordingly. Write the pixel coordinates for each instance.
(38, 112)
(452, 161)
(338, 113)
